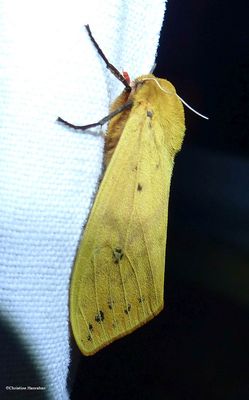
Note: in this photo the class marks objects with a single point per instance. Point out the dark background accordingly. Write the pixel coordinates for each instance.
(197, 348)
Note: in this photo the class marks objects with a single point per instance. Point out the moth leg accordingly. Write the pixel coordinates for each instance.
(111, 67)
(102, 121)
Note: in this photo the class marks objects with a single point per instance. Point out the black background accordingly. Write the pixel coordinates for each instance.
(197, 348)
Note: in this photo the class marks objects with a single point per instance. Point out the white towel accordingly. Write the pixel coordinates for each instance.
(49, 173)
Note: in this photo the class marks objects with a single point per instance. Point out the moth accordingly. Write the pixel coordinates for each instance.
(117, 283)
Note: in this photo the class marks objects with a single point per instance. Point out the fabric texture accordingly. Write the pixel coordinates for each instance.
(48, 172)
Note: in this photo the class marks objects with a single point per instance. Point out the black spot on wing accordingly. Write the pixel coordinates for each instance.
(128, 309)
(141, 299)
(149, 113)
(100, 316)
(110, 304)
(117, 255)
(139, 187)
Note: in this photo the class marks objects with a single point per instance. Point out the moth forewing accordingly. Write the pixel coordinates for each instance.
(118, 277)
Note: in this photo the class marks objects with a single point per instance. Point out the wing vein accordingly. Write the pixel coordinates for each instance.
(148, 254)
(84, 318)
(113, 304)
(139, 288)
(125, 295)
(97, 301)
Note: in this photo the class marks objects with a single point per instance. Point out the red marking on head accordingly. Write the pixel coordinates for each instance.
(126, 76)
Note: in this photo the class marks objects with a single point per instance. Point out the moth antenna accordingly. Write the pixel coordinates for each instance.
(191, 108)
(111, 67)
(183, 101)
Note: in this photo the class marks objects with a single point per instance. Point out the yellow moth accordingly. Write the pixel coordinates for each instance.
(117, 283)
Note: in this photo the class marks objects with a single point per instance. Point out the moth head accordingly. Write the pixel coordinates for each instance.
(159, 96)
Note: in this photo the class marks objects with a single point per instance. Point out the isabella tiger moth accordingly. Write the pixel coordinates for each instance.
(117, 283)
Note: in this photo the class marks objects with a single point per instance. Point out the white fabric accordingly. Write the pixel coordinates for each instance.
(48, 173)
